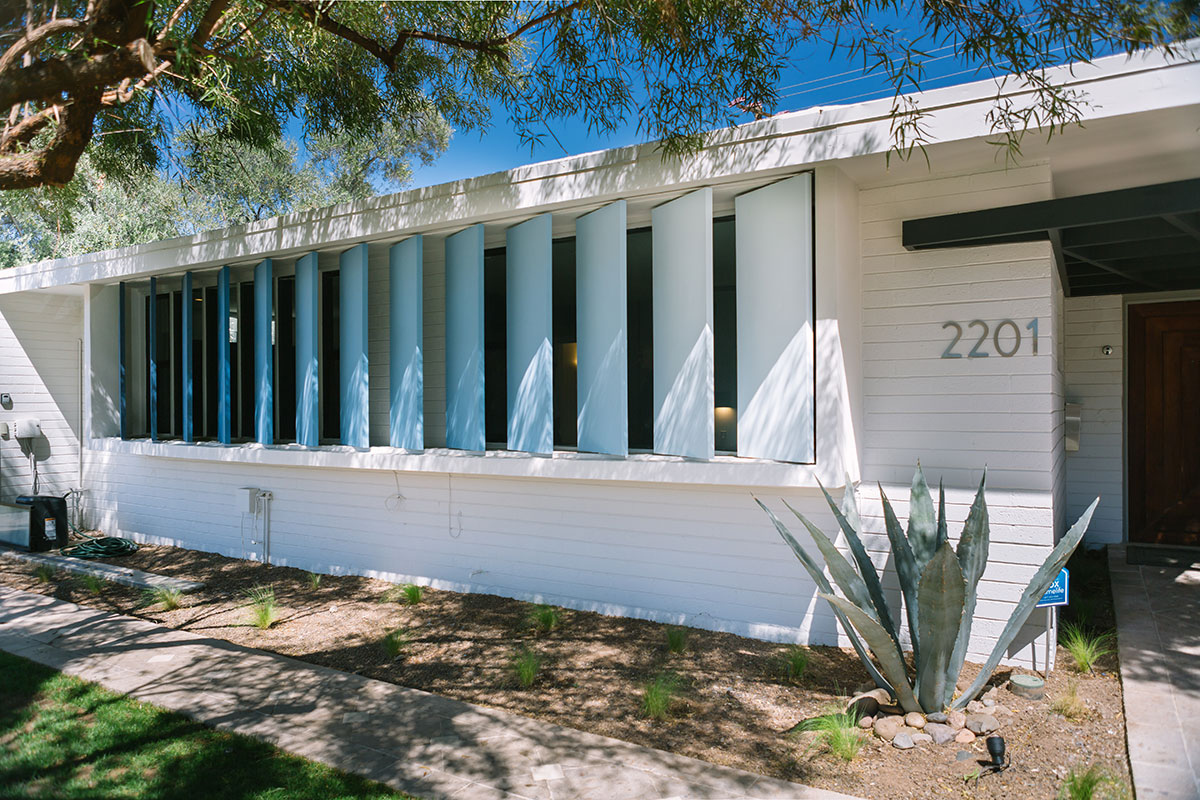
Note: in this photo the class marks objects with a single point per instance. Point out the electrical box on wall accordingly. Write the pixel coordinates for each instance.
(3, 430)
(27, 428)
(246, 499)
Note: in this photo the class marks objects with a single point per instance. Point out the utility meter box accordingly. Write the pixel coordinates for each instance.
(47, 523)
(27, 428)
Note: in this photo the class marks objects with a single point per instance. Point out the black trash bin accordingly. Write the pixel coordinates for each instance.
(47, 521)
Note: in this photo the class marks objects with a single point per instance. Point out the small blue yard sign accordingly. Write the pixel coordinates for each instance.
(1056, 595)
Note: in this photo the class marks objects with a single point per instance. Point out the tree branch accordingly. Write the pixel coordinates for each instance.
(54, 165)
(36, 36)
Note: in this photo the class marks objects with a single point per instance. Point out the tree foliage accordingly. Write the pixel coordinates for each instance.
(213, 181)
(123, 71)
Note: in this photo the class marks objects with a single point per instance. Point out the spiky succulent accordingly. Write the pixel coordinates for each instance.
(938, 583)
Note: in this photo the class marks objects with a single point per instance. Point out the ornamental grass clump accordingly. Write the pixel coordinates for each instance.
(264, 610)
(525, 666)
(45, 573)
(94, 584)
(938, 582)
(676, 639)
(395, 643)
(838, 731)
(659, 694)
(1084, 647)
(1094, 783)
(793, 663)
(544, 618)
(169, 599)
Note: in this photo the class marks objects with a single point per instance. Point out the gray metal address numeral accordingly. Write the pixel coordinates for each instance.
(977, 351)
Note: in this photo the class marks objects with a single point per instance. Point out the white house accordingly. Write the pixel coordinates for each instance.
(565, 382)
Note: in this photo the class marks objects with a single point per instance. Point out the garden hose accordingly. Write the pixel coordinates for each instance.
(103, 547)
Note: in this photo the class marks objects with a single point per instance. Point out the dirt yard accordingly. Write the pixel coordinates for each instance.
(734, 704)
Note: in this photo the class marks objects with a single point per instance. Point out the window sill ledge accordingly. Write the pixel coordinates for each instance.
(638, 468)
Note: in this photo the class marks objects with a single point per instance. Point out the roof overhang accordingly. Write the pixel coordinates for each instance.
(1146, 238)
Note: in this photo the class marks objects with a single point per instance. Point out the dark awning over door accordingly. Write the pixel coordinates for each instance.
(1142, 239)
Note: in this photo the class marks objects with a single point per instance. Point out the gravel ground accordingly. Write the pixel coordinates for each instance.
(734, 702)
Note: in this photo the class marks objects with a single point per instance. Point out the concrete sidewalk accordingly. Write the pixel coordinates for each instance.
(1158, 636)
(416, 742)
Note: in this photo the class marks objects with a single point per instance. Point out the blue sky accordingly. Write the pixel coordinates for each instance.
(814, 77)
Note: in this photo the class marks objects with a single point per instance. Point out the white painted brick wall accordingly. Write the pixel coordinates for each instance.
(39, 366)
(958, 415)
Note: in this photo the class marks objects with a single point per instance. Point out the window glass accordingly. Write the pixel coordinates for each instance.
(640, 332)
(495, 344)
(725, 334)
(566, 359)
(285, 359)
(329, 370)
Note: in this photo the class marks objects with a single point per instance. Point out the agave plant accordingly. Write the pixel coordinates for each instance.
(938, 583)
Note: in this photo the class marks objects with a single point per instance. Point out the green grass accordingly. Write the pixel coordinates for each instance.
(794, 663)
(409, 594)
(677, 639)
(544, 618)
(45, 573)
(264, 610)
(1094, 783)
(395, 643)
(1085, 647)
(169, 599)
(314, 580)
(525, 666)
(94, 584)
(839, 732)
(63, 738)
(658, 695)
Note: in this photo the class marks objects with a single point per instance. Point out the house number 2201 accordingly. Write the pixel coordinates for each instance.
(1006, 345)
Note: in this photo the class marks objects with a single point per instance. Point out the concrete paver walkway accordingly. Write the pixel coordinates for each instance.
(419, 743)
(1158, 634)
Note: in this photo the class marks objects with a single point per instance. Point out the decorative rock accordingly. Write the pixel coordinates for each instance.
(964, 737)
(975, 707)
(939, 733)
(989, 702)
(937, 716)
(957, 720)
(980, 724)
(1030, 687)
(886, 728)
(964, 755)
(903, 742)
(909, 731)
(866, 722)
(991, 693)
(921, 738)
(866, 704)
(914, 720)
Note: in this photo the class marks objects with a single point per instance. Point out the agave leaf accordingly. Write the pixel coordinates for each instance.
(844, 575)
(906, 570)
(819, 579)
(972, 557)
(866, 568)
(1033, 592)
(922, 527)
(942, 535)
(890, 660)
(941, 600)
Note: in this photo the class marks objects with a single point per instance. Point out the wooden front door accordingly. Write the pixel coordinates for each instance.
(1164, 423)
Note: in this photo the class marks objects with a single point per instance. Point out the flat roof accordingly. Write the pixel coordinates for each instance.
(1116, 86)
